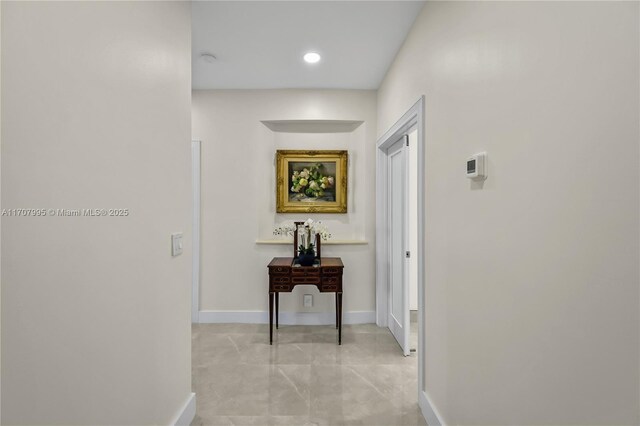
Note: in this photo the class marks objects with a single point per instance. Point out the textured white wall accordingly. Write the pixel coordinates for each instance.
(532, 279)
(238, 193)
(96, 113)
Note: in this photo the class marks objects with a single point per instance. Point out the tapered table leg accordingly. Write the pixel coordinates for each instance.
(271, 318)
(277, 307)
(336, 309)
(339, 318)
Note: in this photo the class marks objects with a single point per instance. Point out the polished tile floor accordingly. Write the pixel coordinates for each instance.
(305, 378)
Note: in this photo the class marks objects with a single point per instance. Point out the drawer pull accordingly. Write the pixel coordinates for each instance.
(331, 270)
(281, 287)
(329, 287)
(330, 280)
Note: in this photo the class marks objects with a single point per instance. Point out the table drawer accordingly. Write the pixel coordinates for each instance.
(280, 279)
(306, 272)
(279, 270)
(305, 280)
(281, 287)
(330, 280)
(331, 271)
(329, 287)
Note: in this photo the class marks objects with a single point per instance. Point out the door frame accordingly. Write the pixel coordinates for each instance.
(195, 231)
(414, 117)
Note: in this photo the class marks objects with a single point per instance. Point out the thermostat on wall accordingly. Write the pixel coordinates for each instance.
(476, 167)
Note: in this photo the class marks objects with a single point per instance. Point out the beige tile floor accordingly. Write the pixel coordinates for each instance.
(413, 335)
(305, 378)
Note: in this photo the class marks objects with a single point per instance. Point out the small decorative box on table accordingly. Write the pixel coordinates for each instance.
(285, 273)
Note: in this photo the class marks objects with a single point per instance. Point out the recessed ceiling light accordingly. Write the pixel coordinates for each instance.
(208, 57)
(311, 57)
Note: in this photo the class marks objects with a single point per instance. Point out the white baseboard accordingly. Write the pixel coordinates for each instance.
(429, 411)
(187, 413)
(286, 318)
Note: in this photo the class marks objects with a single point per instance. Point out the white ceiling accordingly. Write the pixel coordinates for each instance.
(259, 45)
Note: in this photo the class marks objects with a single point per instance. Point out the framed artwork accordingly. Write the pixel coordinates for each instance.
(311, 181)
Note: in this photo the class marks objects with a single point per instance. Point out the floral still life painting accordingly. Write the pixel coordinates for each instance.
(311, 181)
(314, 182)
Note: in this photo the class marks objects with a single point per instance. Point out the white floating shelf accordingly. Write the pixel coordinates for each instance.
(328, 243)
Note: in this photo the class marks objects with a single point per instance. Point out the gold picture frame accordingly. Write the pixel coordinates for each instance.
(311, 181)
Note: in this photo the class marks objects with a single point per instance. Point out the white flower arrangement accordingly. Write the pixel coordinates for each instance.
(316, 227)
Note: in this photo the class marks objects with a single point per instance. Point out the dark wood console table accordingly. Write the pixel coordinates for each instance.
(284, 275)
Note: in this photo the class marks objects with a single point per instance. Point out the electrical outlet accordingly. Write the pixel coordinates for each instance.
(308, 300)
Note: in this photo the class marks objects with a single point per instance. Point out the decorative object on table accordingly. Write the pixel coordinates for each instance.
(306, 252)
(311, 181)
(306, 257)
(307, 238)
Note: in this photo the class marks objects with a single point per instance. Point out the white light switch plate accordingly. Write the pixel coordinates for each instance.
(176, 244)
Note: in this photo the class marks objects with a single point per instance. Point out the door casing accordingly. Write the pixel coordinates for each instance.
(414, 117)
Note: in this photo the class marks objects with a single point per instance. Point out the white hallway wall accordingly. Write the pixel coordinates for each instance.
(96, 114)
(532, 280)
(238, 195)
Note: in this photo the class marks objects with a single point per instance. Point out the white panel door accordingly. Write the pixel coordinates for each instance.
(398, 174)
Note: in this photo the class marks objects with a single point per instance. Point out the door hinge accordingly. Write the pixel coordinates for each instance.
(407, 254)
